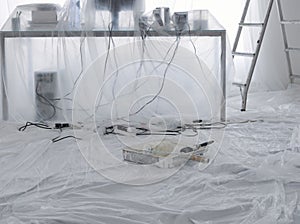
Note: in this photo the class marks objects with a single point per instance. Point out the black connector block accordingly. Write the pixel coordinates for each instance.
(61, 125)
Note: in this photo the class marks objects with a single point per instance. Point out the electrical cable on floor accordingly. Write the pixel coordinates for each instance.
(38, 125)
(158, 134)
(58, 126)
(243, 122)
(196, 126)
(57, 139)
(144, 131)
(205, 126)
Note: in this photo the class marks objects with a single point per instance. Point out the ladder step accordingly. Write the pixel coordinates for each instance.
(292, 49)
(295, 76)
(290, 22)
(239, 84)
(251, 24)
(243, 54)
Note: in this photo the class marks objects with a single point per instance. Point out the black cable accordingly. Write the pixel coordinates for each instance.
(206, 126)
(145, 131)
(38, 125)
(57, 139)
(156, 133)
(45, 126)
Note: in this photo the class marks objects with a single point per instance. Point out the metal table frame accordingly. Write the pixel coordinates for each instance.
(102, 33)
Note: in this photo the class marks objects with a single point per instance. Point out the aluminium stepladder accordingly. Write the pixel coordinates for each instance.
(244, 87)
(287, 48)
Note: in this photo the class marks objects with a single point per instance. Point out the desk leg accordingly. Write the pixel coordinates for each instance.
(223, 75)
(3, 78)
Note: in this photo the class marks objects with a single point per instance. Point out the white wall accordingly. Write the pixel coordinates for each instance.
(4, 11)
(291, 11)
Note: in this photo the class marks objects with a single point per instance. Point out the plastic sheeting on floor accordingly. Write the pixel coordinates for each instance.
(254, 178)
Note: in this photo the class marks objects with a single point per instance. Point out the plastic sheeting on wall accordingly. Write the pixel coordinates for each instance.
(271, 70)
(71, 58)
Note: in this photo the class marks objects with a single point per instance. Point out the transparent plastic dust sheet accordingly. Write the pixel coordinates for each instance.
(134, 52)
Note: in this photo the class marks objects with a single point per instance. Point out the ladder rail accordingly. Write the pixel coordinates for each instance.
(254, 61)
(285, 41)
(236, 41)
(294, 22)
